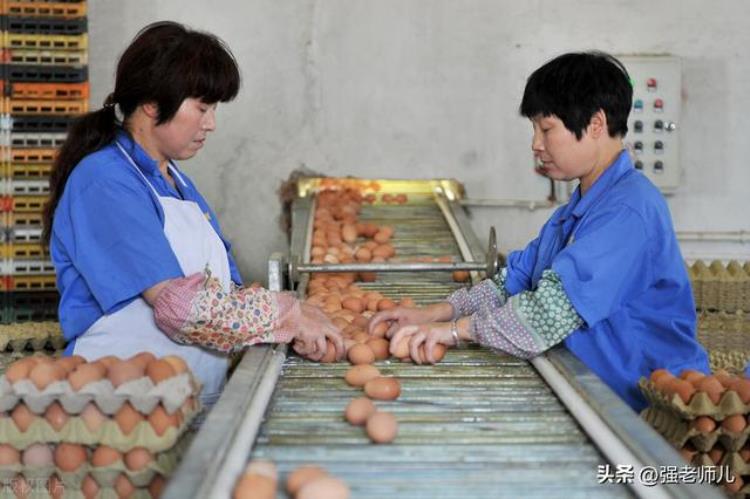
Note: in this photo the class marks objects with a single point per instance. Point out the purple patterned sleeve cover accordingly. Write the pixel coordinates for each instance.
(488, 293)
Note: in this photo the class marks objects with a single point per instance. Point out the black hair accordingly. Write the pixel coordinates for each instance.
(574, 86)
(165, 63)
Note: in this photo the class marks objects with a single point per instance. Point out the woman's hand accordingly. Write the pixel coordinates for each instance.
(312, 329)
(429, 335)
(400, 317)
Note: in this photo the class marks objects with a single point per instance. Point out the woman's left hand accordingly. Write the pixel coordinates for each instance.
(429, 335)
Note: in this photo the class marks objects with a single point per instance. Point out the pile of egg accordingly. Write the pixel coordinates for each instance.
(92, 465)
(718, 408)
(260, 481)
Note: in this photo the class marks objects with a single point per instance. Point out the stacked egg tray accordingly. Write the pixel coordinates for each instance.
(478, 424)
(726, 337)
(708, 423)
(721, 288)
(35, 336)
(93, 436)
(43, 88)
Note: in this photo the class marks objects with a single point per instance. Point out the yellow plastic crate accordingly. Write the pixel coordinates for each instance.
(44, 9)
(45, 42)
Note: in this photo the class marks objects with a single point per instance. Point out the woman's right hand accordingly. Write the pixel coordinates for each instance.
(313, 327)
(400, 317)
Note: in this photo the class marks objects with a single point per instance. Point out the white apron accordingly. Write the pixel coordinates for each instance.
(132, 329)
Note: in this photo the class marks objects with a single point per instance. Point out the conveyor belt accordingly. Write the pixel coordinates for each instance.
(478, 424)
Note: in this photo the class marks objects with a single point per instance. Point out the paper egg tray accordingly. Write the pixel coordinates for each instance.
(142, 394)
(35, 340)
(109, 433)
(164, 464)
(736, 465)
(680, 431)
(700, 404)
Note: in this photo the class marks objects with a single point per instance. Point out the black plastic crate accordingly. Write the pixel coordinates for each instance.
(41, 124)
(45, 25)
(23, 307)
(51, 74)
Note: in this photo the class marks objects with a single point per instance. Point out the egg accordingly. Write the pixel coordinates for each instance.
(20, 369)
(382, 427)
(383, 388)
(124, 371)
(9, 455)
(660, 373)
(726, 379)
(363, 255)
(324, 488)
(105, 456)
(56, 416)
(127, 418)
(45, 373)
(263, 467)
(383, 251)
(68, 364)
(157, 486)
(22, 417)
(745, 453)
(254, 486)
(142, 359)
(303, 475)
(138, 458)
(735, 423)
(380, 330)
(360, 374)
(361, 337)
(742, 387)
(460, 275)
(401, 349)
(123, 486)
(70, 457)
(712, 387)
(317, 251)
(340, 323)
(358, 410)
(688, 453)
(330, 355)
(159, 370)
(682, 388)
(379, 347)
(692, 376)
(736, 485)
(177, 363)
(160, 421)
(368, 276)
(407, 302)
(37, 455)
(704, 424)
(85, 374)
(716, 454)
(108, 360)
(386, 304)
(361, 354)
(353, 304)
(89, 487)
(349, 233)
(92, 417)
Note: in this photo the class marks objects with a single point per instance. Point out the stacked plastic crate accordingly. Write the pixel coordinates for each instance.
(44, 87)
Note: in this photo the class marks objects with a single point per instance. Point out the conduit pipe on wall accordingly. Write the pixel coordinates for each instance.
(739, 236)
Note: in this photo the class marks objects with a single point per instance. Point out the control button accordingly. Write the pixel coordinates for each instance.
(638, 105)
(638, 146)
(658, 126)
(671, 126)
(639, 165)
(651, 84)
(658, 105)
(658, 146)
(658, 166)
(638, 126)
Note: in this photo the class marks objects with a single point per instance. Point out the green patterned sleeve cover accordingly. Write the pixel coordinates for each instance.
(489, 292)
(530, 322)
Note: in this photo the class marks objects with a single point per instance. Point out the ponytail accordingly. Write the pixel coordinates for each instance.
(87, 134)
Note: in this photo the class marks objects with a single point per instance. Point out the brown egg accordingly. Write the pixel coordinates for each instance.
(70, 363)
(45, 373)
(159, 370)
(383, 388)
(20, 369)
(108, 360)
(123, 486)
(660, 373)
(380, 330)
(160, 421)
(254, 486)
(55, 487)
(353, 304)
(70, 457)
(157, 485)
(704, 424)
(407, 302)
(92, 417)
(712, 387)
(460, 275)
(688, 453)
(386, 304)
(324, 488)
(330, 355)
(736, 485)
(105, 456)
(127, 418)
(726, 379)
(682, 388)
(22, 417)
(360, 321)
(302, 475)
(138, 458)
(402, 348)
(142, 359)
(734, 423)
(382, 427)
(379, 347)
(383, 251)
(56, 416)
(317, 251)
(37, 455)
(9, 455)
(124, 371)
(177, 363)
(89, 487)
(361, 374)
(368, 276)
(438, 352)
(361, 354)
(363, 255)
(359, 410)
(340, 322)
(691, 375)
(361, 337)
(263, 467)
(349, 233)
(85, 374)
(716, 454)
(742, 387)
(401, 198)
(381, 237)
(745, 453)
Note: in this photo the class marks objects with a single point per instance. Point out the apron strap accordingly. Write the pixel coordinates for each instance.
(132, 163)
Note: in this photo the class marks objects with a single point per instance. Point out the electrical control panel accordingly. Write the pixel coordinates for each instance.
(654, 121)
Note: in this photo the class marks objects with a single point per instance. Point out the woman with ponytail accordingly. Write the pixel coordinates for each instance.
(140, 259)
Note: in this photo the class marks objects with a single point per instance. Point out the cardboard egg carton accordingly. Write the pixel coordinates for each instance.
(679, 432)
(164, 464)
(700, 404)
(721, 287)
(33, 335)
(109, 433)
(737, 466)
(142, 394)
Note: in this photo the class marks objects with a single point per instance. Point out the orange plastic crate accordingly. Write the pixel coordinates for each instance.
(45, 42)
(24, 251)
(26, 204)
(52, 91)
(32, 156)
(45, 9)
(32, 283)
(28, 171)
(46, 107)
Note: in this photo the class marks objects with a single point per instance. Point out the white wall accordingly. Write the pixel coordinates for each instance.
(397, 88)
